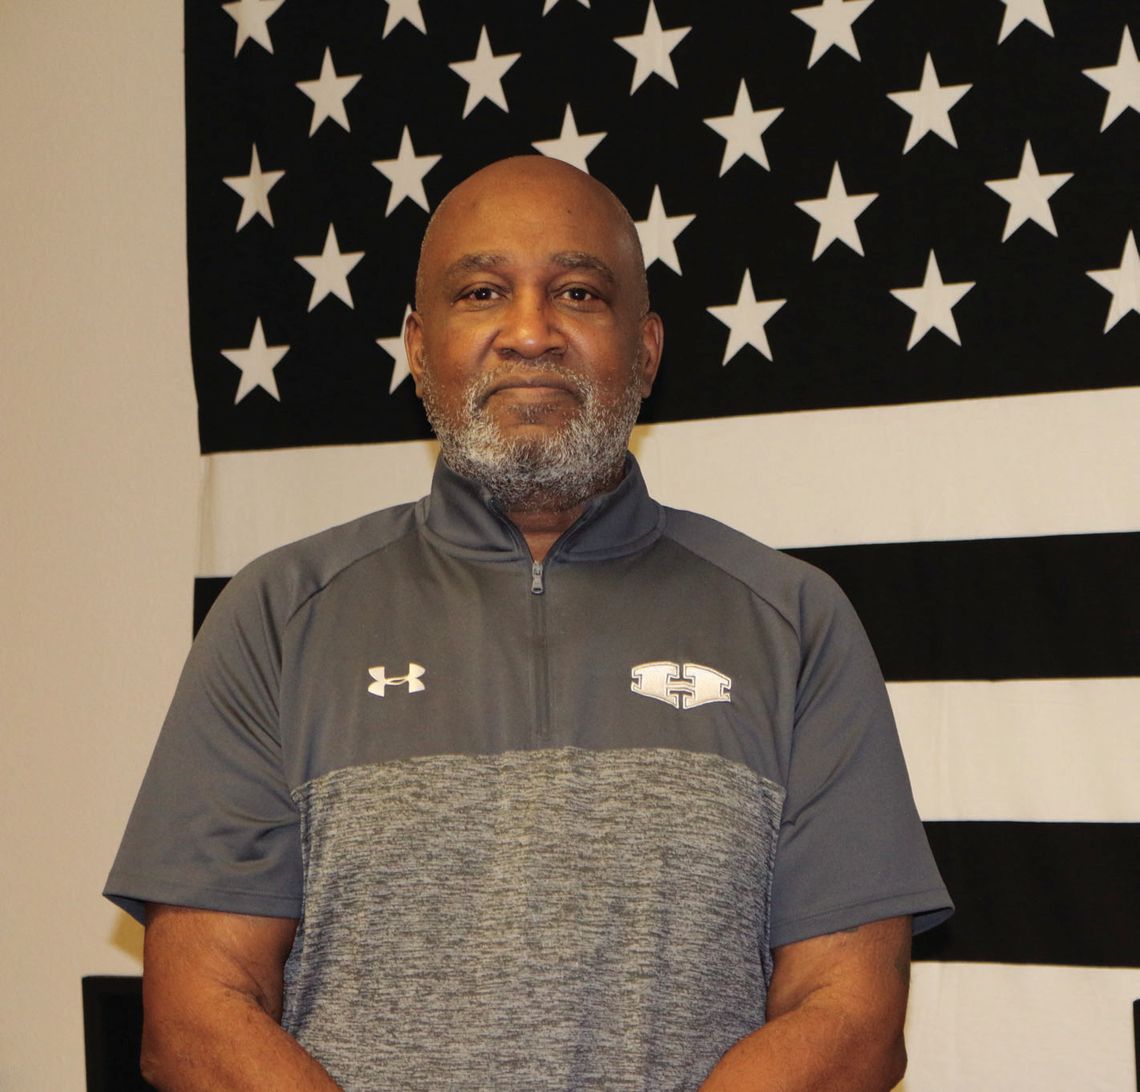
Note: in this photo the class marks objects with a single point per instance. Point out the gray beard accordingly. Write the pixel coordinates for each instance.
(581, 459)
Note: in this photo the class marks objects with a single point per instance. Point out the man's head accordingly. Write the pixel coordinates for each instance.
(532, 344)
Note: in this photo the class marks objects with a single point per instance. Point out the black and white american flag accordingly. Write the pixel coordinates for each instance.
(894, 243)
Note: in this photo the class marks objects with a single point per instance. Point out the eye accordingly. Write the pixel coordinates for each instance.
(577, 293)
(481, 294)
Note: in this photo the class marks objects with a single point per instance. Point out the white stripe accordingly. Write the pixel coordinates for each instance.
(986, 468)
(974, 1026)
(1052, 750)
(983, 468)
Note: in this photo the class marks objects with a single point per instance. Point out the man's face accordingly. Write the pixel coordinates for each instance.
(531, 345)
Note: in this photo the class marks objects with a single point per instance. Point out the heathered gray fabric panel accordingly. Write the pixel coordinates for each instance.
(533, 920)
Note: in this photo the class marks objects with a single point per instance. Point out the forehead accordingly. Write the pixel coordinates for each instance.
(527, 221)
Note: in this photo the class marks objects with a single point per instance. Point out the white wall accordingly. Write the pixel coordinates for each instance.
(98, 486)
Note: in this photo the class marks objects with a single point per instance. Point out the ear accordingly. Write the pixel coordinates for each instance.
(414, 347)
(652, 342)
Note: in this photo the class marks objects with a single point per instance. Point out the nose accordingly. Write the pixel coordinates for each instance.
(530, 328)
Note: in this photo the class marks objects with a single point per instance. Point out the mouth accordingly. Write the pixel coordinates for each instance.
(531, 387)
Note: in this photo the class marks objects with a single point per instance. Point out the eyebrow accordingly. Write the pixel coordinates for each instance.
(567, 259)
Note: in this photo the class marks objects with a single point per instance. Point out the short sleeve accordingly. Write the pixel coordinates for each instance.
(852, 848)
(214, 825)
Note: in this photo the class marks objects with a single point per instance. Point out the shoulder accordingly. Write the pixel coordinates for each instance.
(803, 595)
(274, 586)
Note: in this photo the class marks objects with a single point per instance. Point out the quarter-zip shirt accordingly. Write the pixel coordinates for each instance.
(541, 824)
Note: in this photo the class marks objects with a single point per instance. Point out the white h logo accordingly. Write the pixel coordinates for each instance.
(411, 680)
(683, 686)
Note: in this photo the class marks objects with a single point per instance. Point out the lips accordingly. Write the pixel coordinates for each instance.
(540, 381)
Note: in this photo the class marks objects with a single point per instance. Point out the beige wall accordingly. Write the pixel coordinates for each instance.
(98, 487)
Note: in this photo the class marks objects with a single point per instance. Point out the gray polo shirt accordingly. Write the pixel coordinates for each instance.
(542, 825)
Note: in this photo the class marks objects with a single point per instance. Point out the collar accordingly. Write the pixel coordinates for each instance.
(460, 518)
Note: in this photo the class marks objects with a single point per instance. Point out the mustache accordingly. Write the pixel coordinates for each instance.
(543, 371)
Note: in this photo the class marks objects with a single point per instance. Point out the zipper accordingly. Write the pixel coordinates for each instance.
(540, 729)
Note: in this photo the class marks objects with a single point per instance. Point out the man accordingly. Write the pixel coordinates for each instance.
(532, 784)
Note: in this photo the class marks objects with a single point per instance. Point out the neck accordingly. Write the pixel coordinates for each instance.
(540, 529)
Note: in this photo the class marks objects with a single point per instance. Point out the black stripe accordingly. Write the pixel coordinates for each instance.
(206, 590)
(1049, 893)
(1064, 606)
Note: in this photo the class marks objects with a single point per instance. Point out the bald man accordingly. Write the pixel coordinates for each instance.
(534, 783)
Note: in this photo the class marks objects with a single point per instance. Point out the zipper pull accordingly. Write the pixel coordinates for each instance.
(536, 578)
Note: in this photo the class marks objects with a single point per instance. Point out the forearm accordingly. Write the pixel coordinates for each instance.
(836, 1006)
(816, 1046)
(226, 1043)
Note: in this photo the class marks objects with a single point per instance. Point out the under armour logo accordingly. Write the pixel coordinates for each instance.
(411, 680)
(683, 686)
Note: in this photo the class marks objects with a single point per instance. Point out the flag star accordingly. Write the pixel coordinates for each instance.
(328, 92)
(1021, 11)
(1123, 282)
(833, 22)
(836, 215)
(652, 48)
(550, 4)
(932, 303)
(403, 11)
(254, 190)
(746, 319)
(1120, 80)
(406, 173)
(330, 270)
(394, 347)
(658, 233)
(929, 106)
(570, 146)
(1028, 194)
(484, 74)
(252, 18)
(256, 361)
(743, 130)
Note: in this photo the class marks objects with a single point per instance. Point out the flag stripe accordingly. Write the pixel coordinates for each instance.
(1022, 749)
(1024, 892)
(986, 1026)
(987, 468)
(1054, 607)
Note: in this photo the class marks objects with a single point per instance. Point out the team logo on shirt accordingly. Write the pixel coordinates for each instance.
(411, 680)
(683, 686)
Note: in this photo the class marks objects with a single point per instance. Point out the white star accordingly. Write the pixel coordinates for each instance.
(256, 362)
(570, 146)
(400, 10)
(394, 347)
(254, 189)
(1123, 282)
(929, 106)
(252, 18)
(1120, 80)
(652, 48)
(1020, 11)
(832, 22)
(743, 130)
(328, 92)
(836, 214)
(1028, 194)
(484, 74)
(330, 270)
(932, 303)
(406, 173)
(746, 319)
(550, 3)
(658, 233)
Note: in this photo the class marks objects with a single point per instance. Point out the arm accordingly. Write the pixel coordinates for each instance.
(212, 996)
(836, 1005)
